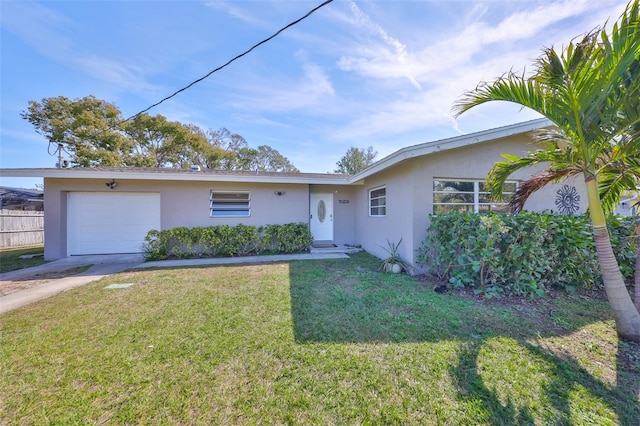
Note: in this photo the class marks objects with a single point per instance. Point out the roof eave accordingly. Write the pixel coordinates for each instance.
(168, 176)
(409, 152)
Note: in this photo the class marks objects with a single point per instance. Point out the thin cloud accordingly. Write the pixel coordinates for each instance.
(450, 66)
(529, 23)
(399, 53)
(38, 26)
(125, 77)
(237, 13)
(50, 33)
(277, 95)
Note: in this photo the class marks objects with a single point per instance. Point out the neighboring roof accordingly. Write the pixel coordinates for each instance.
(6, 191)
(208, 175)
(450, 143)
(21, 198)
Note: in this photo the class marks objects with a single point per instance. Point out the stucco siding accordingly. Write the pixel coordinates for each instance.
(187, 204)
(182, 204)
(409, 192)
(374, 232)
(406, 175)
(474, 162)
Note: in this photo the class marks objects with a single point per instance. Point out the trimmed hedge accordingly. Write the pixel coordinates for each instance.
(226, 241)
(521, 254)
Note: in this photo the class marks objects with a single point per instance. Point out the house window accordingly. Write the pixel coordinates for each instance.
(468, 196)
(229, 204)
(378, 201)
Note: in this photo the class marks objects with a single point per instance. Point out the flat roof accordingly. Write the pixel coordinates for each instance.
(205, 175)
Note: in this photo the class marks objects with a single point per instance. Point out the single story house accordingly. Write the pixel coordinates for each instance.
(110, 210)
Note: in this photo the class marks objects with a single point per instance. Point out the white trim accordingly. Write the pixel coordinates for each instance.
(169, 175)
(377, 198)
(476, 193)
(239, 201)
(448, 144)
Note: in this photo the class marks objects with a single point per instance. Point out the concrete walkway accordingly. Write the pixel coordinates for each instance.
(240, 260)
(104, 265)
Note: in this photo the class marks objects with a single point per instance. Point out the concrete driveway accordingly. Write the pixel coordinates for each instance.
(102, 265)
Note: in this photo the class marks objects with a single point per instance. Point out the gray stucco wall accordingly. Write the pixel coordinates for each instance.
(373, 232)
(409, 195)
(410, 192)
(182, 204)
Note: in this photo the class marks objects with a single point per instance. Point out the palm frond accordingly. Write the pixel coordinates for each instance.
(538, 181)
(510, 88)
(591, 92)
(501, 171)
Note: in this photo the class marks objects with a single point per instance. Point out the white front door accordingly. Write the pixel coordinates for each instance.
(321, 216)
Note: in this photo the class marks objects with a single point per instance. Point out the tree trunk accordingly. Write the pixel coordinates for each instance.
(636, 282)
(624, 311)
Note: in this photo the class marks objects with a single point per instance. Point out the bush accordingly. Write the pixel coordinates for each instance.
(288, 238)
(522, 254)
(225, 240)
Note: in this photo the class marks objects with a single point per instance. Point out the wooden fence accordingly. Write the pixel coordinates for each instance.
(21, 228)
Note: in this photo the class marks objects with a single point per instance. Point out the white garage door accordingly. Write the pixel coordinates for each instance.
(104, 223)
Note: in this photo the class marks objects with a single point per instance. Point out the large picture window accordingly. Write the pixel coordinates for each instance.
(229, 204)
(378, 201)
(468, 196)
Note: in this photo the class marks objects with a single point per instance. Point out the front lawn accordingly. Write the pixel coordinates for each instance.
(310, 342)
(10, 257)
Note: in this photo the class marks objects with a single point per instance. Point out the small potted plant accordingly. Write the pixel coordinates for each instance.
(393, 263)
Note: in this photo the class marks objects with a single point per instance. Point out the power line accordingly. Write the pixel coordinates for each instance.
(231, 60)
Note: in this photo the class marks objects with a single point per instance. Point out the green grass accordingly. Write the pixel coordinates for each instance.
(310, 342)
(10, 258)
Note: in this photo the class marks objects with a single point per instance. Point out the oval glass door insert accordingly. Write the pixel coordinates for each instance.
(322, 211)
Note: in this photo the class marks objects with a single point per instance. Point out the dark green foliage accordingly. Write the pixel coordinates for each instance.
(521, 254)
(225, 240)
(243, 240)
(287, 238)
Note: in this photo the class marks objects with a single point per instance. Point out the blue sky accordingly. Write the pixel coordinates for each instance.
(361, 73)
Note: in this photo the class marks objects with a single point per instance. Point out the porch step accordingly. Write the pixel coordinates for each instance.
(333, 248)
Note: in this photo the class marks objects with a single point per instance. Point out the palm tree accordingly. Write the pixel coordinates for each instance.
(591, 93)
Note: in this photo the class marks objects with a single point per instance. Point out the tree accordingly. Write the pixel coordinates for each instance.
(158, 142)
(209, 156)
(239, 156)
(356, 160)
(88, 128)
(265, 159)
(587, 93)
(94, 133)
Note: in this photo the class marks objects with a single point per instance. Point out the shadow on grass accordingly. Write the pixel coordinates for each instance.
(363, 305)
(570, 377)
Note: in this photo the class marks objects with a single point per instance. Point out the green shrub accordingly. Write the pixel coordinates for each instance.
(242, 240)
(522, 254)
(288, 238)
(154, 248)
(225, 240)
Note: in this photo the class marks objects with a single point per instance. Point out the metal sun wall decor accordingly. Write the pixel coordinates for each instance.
(567, 199)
